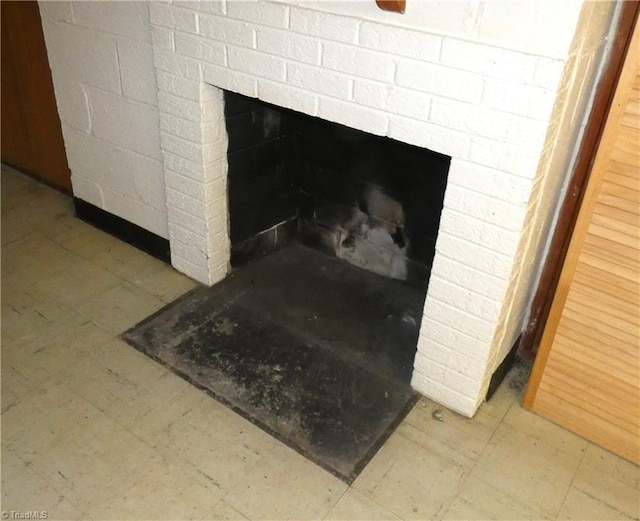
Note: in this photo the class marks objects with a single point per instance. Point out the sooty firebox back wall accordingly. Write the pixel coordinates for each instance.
(370, 200)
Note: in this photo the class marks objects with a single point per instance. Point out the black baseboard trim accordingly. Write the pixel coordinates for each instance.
(124, 230)
(502, 370)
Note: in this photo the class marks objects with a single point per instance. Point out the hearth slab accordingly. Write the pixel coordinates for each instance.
(313, 350)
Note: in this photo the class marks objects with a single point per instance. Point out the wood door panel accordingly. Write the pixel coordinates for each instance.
(587, 373)
(31, 132)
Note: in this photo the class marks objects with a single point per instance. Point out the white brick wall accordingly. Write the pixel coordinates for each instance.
(451, 80)
(101, 60)
(471, 79)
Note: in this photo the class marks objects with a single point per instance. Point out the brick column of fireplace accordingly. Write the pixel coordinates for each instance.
(486, 106)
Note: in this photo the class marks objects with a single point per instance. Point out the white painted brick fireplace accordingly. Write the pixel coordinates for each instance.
(476, 81)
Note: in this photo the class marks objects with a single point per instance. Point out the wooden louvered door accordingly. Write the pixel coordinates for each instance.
(586, 376)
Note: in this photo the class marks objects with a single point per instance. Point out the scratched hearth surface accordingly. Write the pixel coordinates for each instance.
(313, 350)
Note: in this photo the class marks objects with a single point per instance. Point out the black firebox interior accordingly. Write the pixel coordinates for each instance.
(316, 351)
(371, 200)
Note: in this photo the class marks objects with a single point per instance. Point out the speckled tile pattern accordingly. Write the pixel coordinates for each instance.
(92, 429)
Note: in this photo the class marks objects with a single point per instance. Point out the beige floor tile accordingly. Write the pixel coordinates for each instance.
(149, 412)
(53, 349)
(613, 465)
(84, 240)
(223, 446)
(95, 464)
(354, 506)
(410, 480)
(167, 284)
(44, 418)
(515, 462)
(545, 431)
(457, 438)
(127, 262)
(113, 371)
(478, 501)
(607, 490)
(26, 313)
(285, 485)
(66, 511)
(167, 490)
(34, 259)
(79, 282)
(580, 506)
(24, 490)
(223, 512)
(120, 307)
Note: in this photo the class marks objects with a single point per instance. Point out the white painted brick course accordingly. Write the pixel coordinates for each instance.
(230, 80)
(178, 65)
(288, 97)
(137, 72)
(187, 221)
(527, 100)
(185, 203)
(200, 48)
(116, 120)
(485, 208)
(517, 25)
(183, 166)
(179, 107)
(439, 80)
(259, 64)
(472, 303)
(148, 180)
(298, 47)
(486, 60)
(467, 227)
(109, 165)
(204, 6)
(181, 147)
(225, 30)
(173, 17)
(429, 136)
(548, 73)
(73, 104)
(324, 25)
(128, 19)
(399, 41)
(87, 190)
(162, 38)
(478, 257)
(504, 156)
(58, 11)
(182, 128)
(318, 80)
(263, 13)
(353, 116)
(178, 86)
(359, 62)
(82, 55)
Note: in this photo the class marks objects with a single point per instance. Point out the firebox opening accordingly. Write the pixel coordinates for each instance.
(369, 200)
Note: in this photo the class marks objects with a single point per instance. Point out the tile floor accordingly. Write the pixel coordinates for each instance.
(91, 429)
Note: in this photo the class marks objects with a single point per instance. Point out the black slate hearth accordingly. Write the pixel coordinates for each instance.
(315, 351)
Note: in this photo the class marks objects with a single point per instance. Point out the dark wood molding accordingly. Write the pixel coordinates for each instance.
(548, 282)
(124, 230)
(395, 6)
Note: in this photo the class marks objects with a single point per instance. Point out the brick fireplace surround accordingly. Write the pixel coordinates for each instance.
(501, 88)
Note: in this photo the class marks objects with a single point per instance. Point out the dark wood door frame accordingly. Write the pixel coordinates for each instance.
(579, 177)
